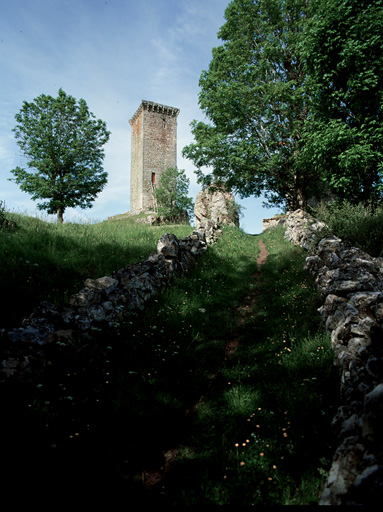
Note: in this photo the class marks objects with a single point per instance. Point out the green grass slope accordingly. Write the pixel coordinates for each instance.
(159, 408)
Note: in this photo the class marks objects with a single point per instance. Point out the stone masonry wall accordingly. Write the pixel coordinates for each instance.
(102, 301)
(350, 283)
(272, 223)
(217, 206)
(154, 149)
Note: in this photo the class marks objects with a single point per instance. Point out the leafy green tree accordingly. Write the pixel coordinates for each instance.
(254, 96)
(343, 52)
(62, 142)
(171, 194)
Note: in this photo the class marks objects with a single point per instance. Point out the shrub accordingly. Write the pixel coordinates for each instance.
(4, 221)
(359, 224)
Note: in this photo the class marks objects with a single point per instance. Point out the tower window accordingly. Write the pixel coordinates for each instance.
(153, 178)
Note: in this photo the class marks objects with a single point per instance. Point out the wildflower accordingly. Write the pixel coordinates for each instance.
(261, 454)
(274, 467)
(236, 445)
(243, 444)
(242, 463)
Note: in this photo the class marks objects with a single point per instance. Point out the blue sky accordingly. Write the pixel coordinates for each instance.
(112, 53)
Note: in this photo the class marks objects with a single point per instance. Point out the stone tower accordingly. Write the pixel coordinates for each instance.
(153, 149)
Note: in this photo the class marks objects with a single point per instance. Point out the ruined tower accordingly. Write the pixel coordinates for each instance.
(153, 149)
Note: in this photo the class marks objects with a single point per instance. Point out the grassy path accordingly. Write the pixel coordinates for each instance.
(260, 433)
(221, 393)
(155, 477)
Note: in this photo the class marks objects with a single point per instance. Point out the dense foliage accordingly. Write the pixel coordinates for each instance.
(358, 224)
(253, 94)
(62, 142)
(343, 52)
(293, 97)
(171, 194)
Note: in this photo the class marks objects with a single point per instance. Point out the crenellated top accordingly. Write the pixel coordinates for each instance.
(152, 106)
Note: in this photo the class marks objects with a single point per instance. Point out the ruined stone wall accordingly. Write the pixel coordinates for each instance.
(154, 149)
(101, 302)
(137, 162)
(350, 283)
(217, 207)
(272, 223)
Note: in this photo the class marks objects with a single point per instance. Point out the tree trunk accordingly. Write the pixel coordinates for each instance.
(60, 215)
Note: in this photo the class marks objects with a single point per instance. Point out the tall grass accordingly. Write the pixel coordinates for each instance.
(359, 224)
(250, 428)
(44, 261)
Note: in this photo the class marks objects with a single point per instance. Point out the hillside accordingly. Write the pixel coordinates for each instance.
(43, 261)
(222, 392)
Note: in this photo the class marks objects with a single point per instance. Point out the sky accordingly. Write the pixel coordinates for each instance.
(113, 54)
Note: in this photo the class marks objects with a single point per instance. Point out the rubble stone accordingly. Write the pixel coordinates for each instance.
(215, 205)
(350, 283)
(104, 300)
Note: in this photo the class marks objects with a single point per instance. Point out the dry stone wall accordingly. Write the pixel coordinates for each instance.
(101, 301)
(350, 283)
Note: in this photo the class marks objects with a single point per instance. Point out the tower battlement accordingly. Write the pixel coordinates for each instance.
(151, 106)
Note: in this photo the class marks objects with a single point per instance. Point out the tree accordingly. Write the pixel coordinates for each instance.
(254, 96)
(171, 194)
(343, 54)
(62, 142)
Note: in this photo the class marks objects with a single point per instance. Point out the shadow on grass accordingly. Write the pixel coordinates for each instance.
(250, 429)
(43, 261)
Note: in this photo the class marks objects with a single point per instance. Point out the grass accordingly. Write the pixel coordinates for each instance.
(361, 225)
(45, 261)
(253, 428)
